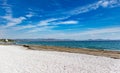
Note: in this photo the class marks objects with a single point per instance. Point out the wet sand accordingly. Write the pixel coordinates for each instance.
(106, 53)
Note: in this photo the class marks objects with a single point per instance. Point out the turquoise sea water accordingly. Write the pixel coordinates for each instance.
(101, 45)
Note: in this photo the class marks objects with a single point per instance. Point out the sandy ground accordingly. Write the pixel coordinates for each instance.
(106, 53)
(16, 59)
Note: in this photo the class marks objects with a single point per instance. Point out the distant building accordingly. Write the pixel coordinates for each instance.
(6, 40)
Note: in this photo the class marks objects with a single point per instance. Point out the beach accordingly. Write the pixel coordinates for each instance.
(106, 53)
(19, 59)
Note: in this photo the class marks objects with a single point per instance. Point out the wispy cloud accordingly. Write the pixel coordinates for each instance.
(94, 6)
(29, 26)
(38, 29)
(80, 10)
(2, 33)
(104, 33)
(13, 21)
(94, 33)
(101, 31)
(7, 8)
(68, 22)
(43, 25)
(110, 3)
(40, 25)
(30, 14)
(90, 7)
(53, 21)
(47, 21)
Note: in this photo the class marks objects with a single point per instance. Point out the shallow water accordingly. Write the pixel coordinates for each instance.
(102, 45)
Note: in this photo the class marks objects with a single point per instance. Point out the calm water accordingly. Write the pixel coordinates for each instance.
(102, 45)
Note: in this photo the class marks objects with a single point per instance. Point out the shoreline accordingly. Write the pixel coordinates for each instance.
(105, 53)
(95, 52)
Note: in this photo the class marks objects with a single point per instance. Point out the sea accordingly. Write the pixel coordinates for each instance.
(100, 45)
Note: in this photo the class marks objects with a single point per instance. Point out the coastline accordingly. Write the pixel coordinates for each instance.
(105, 53)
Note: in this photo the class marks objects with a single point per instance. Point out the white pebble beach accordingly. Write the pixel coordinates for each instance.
(18, 59)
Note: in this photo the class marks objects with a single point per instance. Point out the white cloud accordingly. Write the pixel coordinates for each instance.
(43, 24)
(110, 3)
(47, 32)
(24, 27)
(12, 21)
(47, 22)
(94, 33)
(90, 7)
(2, 33)
(105, 4)
(101, 31)
(94, 6)
(30, 14)
(7, 8)
(38, 29)
(53, 22)
(67, 22)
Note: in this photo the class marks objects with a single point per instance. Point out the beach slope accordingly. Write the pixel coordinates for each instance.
(18, 59)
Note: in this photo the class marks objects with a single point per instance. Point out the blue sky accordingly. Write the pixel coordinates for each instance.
(62, 19)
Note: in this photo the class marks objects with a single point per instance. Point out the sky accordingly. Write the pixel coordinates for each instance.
(60, 19)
